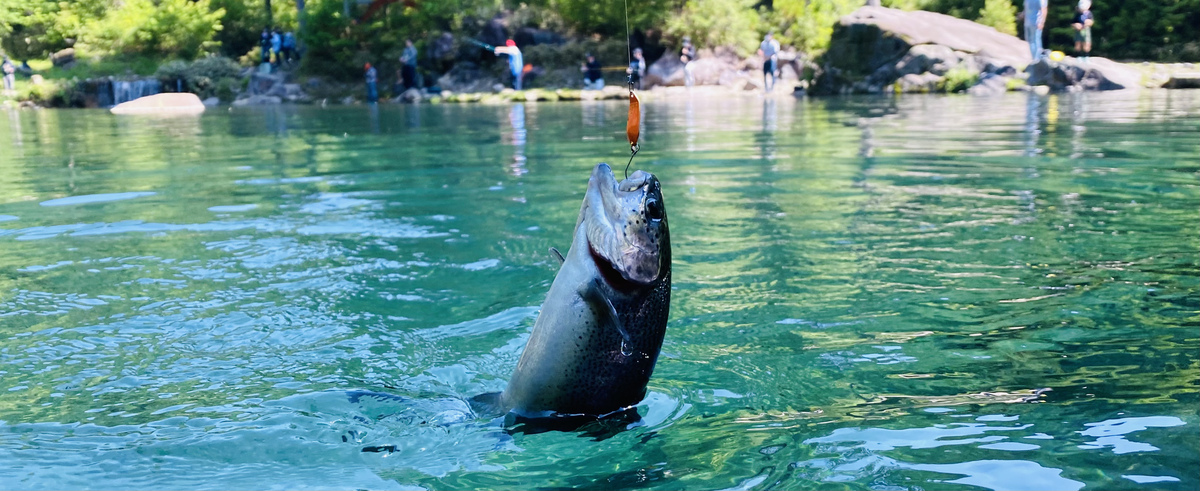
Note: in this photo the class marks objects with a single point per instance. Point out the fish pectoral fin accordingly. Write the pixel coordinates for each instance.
(554, 252)
(606, 314)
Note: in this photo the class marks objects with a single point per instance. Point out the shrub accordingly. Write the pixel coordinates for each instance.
(808, 24)
(204, 76)
(717, 23)
(1000, 14)
(958, 79)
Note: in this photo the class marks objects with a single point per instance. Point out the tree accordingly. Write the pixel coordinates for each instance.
(1000, 14)
(717, 23)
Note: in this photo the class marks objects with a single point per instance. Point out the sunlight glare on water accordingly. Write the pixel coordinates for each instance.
(933, 292)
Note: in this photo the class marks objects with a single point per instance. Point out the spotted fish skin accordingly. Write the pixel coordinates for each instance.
(599, 332)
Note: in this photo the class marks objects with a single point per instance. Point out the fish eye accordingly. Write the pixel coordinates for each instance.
(654, 209)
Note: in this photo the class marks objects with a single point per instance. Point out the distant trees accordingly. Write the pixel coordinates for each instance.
(1129, 29)
(34, 28)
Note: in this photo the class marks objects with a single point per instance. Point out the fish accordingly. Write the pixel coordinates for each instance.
(598, 334)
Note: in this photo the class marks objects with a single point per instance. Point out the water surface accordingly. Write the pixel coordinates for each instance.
(929, 292)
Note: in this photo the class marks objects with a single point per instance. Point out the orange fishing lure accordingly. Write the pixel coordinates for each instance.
(633, 128)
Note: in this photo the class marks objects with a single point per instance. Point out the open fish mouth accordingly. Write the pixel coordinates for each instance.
(626, 227)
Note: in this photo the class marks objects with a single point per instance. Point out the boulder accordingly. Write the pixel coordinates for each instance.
(989, 84)
(211, 101)
(874, 47)
(466, 76)
(1183, 81)
(257, 100)
(1074, 74)
(923, 82)
(169, 103)
(410, 96)
(710, 68)
(63, 58)
(265, 83)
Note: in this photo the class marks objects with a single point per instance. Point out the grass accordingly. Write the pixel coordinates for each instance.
(91, 67)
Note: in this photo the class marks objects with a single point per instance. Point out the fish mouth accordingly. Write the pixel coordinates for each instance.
(624, 242)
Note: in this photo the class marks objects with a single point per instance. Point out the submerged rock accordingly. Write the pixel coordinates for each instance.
(1075, 74)
(169, 103)
(258, 100)
(1183, 81)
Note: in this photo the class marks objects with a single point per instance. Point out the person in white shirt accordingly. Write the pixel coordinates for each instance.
(769, 50)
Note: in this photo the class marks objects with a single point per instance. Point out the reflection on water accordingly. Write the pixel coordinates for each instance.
(924, 292)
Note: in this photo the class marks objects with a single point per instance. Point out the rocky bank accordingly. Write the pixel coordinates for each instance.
(877, 49)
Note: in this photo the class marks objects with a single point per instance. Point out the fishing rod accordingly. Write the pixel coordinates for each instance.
(479, 43)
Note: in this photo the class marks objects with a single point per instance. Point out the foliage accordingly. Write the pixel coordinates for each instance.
(245, 19)
(206, 76)
(608, 17)
(1000, 14)
(808, 24)
(715, 23)
(958, 79)
(163, 27)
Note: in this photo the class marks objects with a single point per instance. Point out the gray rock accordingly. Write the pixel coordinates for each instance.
(410, 96)
(212, 101)
(466, 76)
(63, 58)
(1074, 74)
(874, 47)
(1183, 81)
(257, 100)
(710, 68)
(989, 84)
(912, 82)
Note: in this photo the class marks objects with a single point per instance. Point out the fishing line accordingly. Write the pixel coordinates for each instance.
(633, 124)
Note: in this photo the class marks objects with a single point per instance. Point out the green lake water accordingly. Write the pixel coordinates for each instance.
(931, 292)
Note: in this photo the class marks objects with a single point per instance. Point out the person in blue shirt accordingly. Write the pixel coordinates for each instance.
(516, 64)
(372, 83)
(1083, 29)
(1035, 21)
(408, 65)
(289, 47)
(276, 45)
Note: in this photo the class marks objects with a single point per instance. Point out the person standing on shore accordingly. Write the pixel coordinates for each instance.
(1035, 21)
(637, 68)
(372, 83)
(276, 46)
(408, 65)
(1083, 29)
(516, 63)
(769, 50)
(289, 47)
(687, 54)
(10, 78)
(593, 77)
(264, 45)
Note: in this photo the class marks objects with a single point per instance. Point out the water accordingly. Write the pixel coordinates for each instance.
(128, 90)
(935, 292)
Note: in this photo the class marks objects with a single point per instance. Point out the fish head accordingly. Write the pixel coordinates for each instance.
(625, 223)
